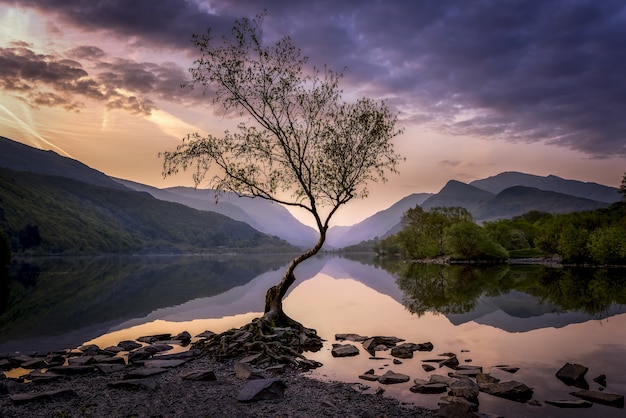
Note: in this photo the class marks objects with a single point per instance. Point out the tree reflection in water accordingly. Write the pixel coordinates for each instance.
(455, 289)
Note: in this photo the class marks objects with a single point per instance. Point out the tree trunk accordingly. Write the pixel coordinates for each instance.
(274, 297)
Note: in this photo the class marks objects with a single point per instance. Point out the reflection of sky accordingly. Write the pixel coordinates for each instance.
(335, 295)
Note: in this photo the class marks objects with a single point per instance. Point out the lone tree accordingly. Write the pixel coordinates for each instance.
(298, 143)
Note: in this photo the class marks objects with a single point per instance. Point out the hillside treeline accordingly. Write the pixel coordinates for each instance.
(43, 215)
(586, 237)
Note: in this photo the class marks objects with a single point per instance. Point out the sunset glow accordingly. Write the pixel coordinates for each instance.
(479, 90)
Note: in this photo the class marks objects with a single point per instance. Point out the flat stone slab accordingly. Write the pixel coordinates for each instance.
(164, 364)
(144, 372)
(392, 377)
(512, 390)
(71, 370)
(38, 376)
(22, 398)
(344, 350)
(578, 403)
(262, 389)
(604, 398)
(429, 388)
(107, 368)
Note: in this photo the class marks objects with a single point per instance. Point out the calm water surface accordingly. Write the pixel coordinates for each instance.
(531, 317)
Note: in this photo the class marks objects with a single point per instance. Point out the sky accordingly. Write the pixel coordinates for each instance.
(480, 87)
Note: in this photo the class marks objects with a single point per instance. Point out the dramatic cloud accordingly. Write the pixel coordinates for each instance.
(50, 80)
(524, 71)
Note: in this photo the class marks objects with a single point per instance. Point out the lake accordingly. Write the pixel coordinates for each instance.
(533, 317)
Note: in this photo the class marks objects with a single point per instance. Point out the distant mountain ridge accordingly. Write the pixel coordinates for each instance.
(265, 216)
(594, 191)
(501, 196)
(20, 157)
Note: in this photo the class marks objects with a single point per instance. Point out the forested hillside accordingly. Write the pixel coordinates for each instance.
(57, 215)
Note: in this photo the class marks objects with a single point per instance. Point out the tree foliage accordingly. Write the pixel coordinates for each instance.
(423, 232)
(298, 144)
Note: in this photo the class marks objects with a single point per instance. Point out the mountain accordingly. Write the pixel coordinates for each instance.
(517, 200)
(593, 191)
(456, 193)
(379, 225)
(265, 216)
(44, 214)
(488, 206)
(20, 157)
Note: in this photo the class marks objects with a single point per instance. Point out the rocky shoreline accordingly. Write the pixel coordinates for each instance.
(138, 379)
(167, 376)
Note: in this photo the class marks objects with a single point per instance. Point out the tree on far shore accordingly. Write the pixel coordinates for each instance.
(298, 143)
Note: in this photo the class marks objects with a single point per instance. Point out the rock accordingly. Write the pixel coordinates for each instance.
(427, 388)
(89, 350)
(184, 337)
(465, 388)
(19, 359)
(144, 372)
(427, 367)
(128, 345)
(144, 353)
(451, 407)
(369, 377)
(573, 375)
(35, 363)
(466, 371)
(71, 370)
(22, 398)
(37, 376)
(53, 360)
(199, 375)
(404, 350)
(579, 403)
(5, 364)
(427, 346)
(437, 378)
(604, 398)
(350, 337)
(508, 369)
(100, 359)
(601, 380)
(149, 339)
(485, 379)
(183, 355)
(206, 334)
(391, 377)
(113, 350)
(344, 350)
(135, 384)
(109, 368)
(262, 389)
(512, 390)
(245, 371)
(380, 343)
(81, 361)
(451, 362)
(163, 364)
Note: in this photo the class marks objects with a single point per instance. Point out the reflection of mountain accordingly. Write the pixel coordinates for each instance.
(59, 305)
(58, 311)
(520, 312)
(250, 296)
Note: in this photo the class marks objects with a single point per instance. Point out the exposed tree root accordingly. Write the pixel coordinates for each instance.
(265, 345)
